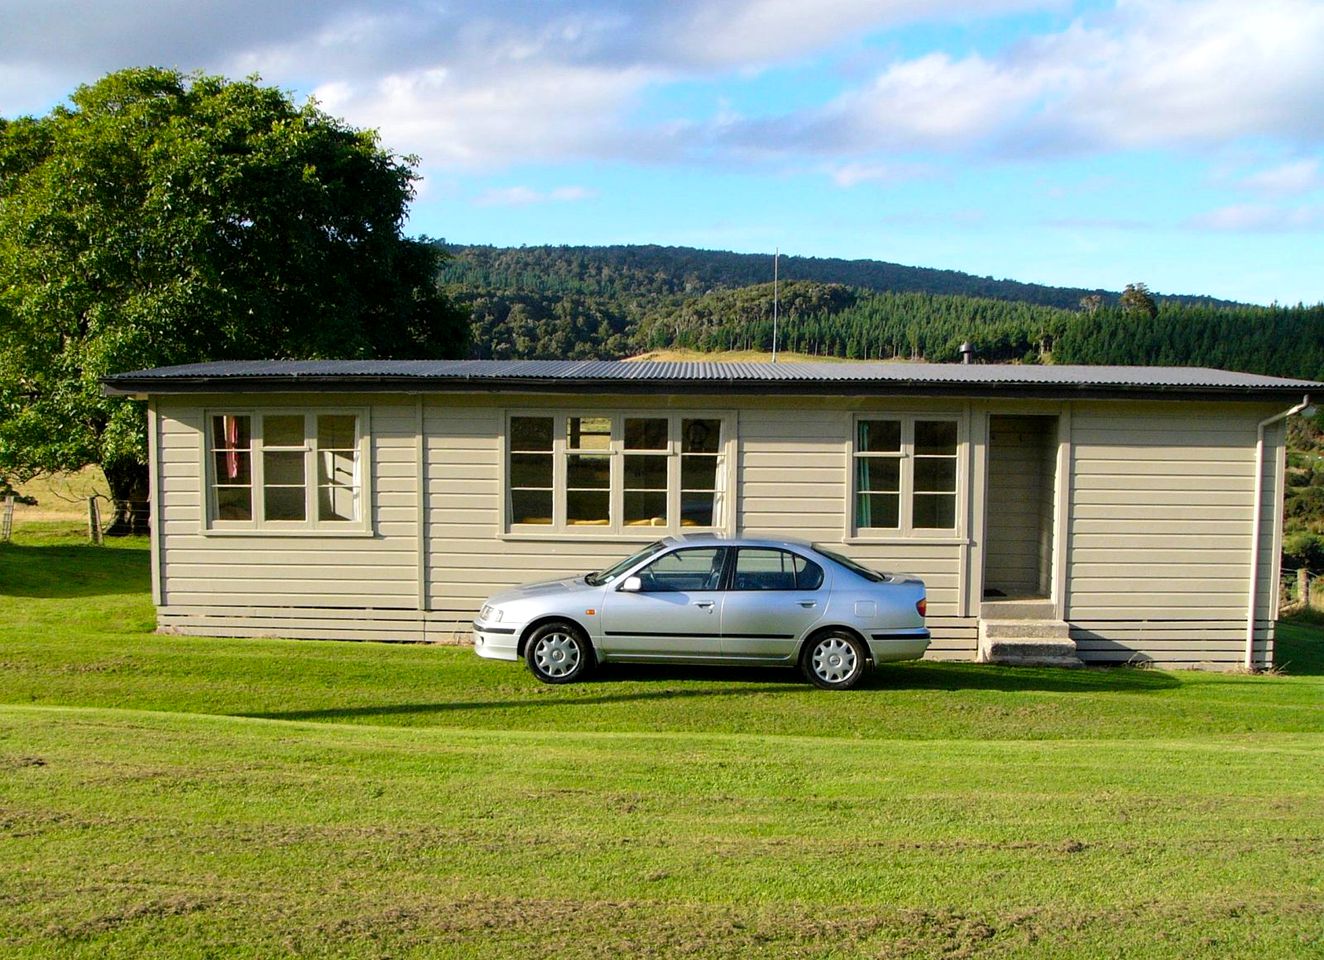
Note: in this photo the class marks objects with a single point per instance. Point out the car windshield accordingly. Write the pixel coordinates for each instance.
(598, 578)
(851, 565)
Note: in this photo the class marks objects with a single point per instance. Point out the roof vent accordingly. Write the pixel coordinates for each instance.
(967, 351)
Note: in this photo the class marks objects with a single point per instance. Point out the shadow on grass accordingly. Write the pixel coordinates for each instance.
(1298, 646)
(744, 682)
(65, 572)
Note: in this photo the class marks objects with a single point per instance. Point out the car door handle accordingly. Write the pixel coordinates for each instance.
(807, 603)
(704, 604)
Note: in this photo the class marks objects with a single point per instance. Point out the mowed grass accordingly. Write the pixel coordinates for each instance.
(195, 797)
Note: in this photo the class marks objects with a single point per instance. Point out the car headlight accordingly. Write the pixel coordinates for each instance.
(490, 614)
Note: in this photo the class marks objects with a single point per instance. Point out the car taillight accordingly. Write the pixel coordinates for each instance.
(922, 605)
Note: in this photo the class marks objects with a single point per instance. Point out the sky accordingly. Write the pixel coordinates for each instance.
(1179, 143)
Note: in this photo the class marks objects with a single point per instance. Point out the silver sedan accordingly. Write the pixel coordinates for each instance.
(706, 599)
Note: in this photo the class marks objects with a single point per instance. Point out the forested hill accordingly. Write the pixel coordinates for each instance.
(651, 270)
(605, 302)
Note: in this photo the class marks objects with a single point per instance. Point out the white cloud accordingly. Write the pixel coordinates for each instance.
(852, 174)
(1259, 218)
(1296, 176)
(522, 196)
(1148, 74)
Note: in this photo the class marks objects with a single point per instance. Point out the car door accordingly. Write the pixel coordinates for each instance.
(773, 597)
(676, 613)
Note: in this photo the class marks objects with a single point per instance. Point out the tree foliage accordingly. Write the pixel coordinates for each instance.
(160, 218)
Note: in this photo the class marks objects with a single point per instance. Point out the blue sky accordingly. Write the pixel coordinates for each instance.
(1175, 142)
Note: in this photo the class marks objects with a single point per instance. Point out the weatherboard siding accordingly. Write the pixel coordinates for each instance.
(1161, 508)
(208, 569)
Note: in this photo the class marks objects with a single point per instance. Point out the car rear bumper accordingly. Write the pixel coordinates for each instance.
(496, 643)
(891, 645)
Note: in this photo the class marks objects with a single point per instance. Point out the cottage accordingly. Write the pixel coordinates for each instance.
(1115, 514)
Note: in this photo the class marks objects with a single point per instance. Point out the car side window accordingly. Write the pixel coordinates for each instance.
(760, 568)
(682, 571)
(808, 575)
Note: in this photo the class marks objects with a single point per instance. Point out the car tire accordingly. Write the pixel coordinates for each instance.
(835, 660)
(558, 652)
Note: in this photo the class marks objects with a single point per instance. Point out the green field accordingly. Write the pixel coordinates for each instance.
(175, 796)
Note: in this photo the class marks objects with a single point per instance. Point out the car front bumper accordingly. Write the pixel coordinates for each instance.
(496, 642)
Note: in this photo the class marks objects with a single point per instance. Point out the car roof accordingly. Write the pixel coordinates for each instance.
(696, 539)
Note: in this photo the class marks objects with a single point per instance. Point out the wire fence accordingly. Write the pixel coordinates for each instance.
(100, 514)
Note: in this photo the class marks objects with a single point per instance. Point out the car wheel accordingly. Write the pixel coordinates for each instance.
(834, 661)
(558, 652)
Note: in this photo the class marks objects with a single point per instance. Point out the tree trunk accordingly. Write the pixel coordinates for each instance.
(128, 493)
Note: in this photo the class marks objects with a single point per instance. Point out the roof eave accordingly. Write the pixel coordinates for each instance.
(309, 383)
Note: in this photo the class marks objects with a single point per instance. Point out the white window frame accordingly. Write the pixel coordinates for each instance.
(310, 525)
(906, 528)
(616, 528)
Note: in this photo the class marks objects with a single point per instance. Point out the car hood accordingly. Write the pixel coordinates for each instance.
(543, 588)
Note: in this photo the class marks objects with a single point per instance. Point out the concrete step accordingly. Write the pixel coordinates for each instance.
(1017, 610)
(1028, 629)
(1027, 643)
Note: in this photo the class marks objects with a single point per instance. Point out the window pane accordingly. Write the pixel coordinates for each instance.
(588, 470)
(696, 509)
(698, 473)
(935, 437)
(878, 474)
(646, 509)
(645, 473)
(531, 470)
(648, 433)
(587, 507)
(935, 511)
(698, 569)
(808, 575)
(878, 436)
(233, 467)
(336, 467)
(283, 468)
(588, 433)
(231, 433)
(936, 474)
(878, 510)
(282, 431)
(531, 433)
(764, 570)
(700, 436)
(234, 503)
(335, 431)
(338, 503)
(284, 503)
(531, 506)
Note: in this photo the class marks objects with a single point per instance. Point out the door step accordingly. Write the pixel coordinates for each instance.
(1027, 643)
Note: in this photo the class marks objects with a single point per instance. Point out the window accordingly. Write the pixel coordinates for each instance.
(286, 471)
(684, 571)
(576, 472)
(905, 473)
(770, 569)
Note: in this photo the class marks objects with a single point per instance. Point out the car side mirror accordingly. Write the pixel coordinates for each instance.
(632, 585)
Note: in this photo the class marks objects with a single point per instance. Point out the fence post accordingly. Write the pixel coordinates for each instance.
(1303, 586)
(7, 520)
(93, 520)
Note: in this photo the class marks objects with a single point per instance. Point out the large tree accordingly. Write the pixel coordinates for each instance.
(161, 218)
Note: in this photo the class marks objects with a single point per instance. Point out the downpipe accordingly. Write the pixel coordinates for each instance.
(1257, 523)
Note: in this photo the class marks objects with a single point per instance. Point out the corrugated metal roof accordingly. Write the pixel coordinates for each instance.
(655, 377)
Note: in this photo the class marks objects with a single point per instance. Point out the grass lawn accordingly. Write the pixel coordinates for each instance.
(176, 796)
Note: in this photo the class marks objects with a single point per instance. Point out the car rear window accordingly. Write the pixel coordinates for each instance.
(852, 566)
